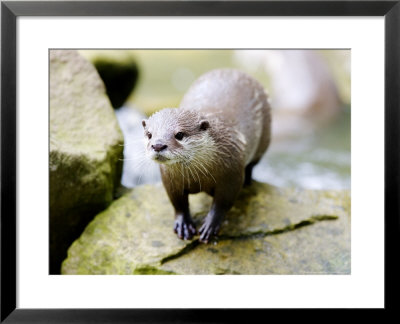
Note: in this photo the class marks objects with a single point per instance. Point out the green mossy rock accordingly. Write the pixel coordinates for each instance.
(268, 231)
(85, 150)
(118, 70)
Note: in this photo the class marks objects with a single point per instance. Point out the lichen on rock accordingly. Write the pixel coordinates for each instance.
(268, 231)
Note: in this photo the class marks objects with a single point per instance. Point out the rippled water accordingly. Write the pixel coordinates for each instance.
(318, 161)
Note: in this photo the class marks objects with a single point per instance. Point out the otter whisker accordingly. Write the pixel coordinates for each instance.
(183, 178)
(184, 169)
(132, 141)
(188, 176)
(199, 164)
(141, 164)
(197, 168)
(194, 170)
(134, 159)
(190, 170)
(208, 172)
(181, 169)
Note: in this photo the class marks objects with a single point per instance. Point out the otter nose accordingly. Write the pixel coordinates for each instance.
(159, 147)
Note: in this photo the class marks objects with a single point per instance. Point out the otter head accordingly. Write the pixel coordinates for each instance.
(175, 135)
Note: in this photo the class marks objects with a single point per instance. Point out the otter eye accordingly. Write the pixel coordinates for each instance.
(179, 136)
(149, 135)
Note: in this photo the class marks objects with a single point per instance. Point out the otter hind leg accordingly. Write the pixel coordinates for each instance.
(248, 172)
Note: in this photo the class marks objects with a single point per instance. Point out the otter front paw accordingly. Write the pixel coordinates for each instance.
(184, 228)
(209, 229)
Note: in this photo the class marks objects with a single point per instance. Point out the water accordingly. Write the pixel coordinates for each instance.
(316, 161)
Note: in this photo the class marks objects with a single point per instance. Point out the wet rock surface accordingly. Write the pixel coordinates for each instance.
(86, 146)
(269, 231)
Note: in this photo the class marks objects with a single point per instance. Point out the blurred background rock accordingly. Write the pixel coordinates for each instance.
(119, 72)
(309, 91)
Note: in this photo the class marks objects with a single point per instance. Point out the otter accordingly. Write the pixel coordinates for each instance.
(210, 144)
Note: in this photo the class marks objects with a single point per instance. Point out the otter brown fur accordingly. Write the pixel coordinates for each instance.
(210, 143)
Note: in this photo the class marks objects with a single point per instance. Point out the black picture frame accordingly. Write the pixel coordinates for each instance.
(11, 10)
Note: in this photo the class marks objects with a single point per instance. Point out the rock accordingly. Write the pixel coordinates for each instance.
(85, 150)
(268, 231)
(137, 168)
(119, 72)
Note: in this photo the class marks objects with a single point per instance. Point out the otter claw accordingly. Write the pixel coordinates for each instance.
(184, 229)
(207, 231)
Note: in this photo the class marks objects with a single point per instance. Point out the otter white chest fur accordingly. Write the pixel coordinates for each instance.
(210, 143)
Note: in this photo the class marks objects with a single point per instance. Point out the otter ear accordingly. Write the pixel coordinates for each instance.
(144, 123)
(204, 124)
